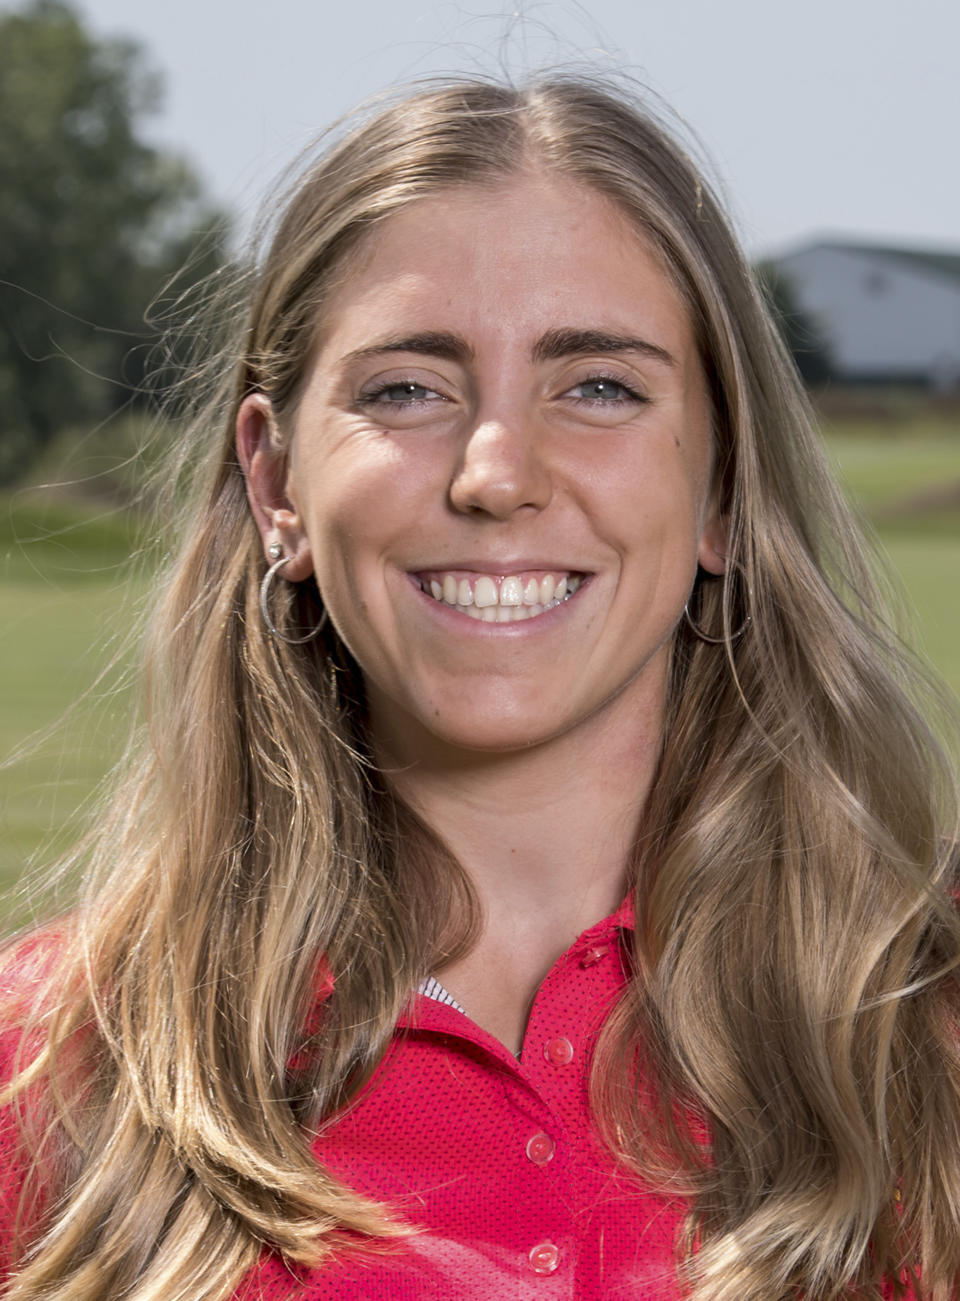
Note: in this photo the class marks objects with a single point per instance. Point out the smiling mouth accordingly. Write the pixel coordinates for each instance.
(509, 599)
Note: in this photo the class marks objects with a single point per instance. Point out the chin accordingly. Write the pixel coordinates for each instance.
(491, 734)
(497, 722)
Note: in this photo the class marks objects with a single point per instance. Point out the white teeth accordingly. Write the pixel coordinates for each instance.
(504, 602)
(511, 592)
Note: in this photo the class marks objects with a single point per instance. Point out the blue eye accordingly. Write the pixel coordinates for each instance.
(400, 394)
(603, 388)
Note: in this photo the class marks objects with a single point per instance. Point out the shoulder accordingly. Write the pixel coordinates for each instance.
(32, 953)
(32, 982)
(304, 1055)
(27, 959)
(31, 970)
(29, 966)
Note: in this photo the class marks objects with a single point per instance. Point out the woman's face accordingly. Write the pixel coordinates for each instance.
(500, 468)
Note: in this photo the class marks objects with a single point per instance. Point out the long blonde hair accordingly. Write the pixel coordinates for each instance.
(796, 941)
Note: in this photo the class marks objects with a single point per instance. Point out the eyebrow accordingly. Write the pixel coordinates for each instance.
(555, 344)
(570, 342)
(432, 343)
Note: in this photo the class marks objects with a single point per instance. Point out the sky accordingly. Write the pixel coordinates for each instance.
(828, 117)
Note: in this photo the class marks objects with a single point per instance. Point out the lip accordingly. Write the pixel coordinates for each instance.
(499, 568)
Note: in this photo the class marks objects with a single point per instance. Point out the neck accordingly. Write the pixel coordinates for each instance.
(545, 833)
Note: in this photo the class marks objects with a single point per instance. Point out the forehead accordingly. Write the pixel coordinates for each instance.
(499, 261)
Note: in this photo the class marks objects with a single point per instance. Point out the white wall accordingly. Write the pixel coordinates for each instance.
(881, 316)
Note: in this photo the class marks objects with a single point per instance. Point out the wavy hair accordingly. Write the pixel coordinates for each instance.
(796, 944)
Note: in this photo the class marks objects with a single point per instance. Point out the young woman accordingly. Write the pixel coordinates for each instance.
(534, 879)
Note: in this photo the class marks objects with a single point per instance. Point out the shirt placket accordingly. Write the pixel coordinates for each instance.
(546, 1090)
(537, 1153)
(556, 1055)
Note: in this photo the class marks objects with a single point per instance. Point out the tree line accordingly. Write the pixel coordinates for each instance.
(94, 224)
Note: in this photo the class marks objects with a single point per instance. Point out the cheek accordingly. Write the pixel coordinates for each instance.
(656, 497)
(657, 532)
(351, 501)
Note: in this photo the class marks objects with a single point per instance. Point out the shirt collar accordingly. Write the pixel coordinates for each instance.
(625, 916)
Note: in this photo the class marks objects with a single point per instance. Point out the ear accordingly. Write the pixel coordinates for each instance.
(712, 552)
(264, 464)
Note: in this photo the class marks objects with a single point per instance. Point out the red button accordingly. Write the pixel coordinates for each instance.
(540, 1148)
(592, 956)
(544, 1258)
(558, 1052)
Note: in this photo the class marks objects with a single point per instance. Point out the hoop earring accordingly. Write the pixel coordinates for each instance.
(714, 641)
(265, 609)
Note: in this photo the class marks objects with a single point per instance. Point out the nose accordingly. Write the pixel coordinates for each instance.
(501, 470)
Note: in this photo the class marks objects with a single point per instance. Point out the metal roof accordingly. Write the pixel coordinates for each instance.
(943, 262)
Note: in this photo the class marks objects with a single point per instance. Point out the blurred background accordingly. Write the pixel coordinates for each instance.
(137, 143)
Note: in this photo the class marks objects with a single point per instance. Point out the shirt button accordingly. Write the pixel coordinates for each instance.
(540, 1148)
(544, 1258)
(558, 1052)
(592, 957)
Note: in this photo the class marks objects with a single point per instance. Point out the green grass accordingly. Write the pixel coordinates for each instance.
(907, 480)
(882, 470)
(65, 598)
(909, 484)
(52, 539)
(927, 568)
(62, 727)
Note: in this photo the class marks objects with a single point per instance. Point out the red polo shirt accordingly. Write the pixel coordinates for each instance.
(496, 1159)
(493, 1158)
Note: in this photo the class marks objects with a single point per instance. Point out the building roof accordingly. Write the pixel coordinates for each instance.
(944, 262)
